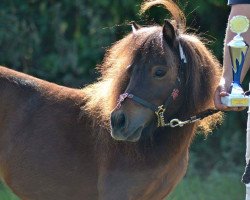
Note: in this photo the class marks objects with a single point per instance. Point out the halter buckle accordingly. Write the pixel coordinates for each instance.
(160, 116)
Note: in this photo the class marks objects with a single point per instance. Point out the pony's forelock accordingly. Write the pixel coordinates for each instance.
(101, 97)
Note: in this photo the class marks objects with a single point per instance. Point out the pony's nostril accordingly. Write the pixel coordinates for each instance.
(121, 120)
(118, 120)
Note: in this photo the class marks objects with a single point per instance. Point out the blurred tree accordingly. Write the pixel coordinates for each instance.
(62, 41)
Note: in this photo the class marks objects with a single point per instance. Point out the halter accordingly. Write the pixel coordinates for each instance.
(160, 110)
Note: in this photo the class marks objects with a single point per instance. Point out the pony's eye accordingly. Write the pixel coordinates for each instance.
(159, 73)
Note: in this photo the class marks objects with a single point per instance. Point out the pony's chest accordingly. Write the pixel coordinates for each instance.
(143, 183)
(124, 184)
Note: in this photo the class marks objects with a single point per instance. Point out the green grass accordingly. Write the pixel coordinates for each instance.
(6, 194)
(215, 187)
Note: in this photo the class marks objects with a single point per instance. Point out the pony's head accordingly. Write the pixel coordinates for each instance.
(154, 80)
(151, 69)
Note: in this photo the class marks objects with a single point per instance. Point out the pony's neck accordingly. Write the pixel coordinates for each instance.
(12, 94)
(167, 145)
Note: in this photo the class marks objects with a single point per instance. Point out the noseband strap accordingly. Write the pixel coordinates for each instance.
(144, 103)
(136, 99)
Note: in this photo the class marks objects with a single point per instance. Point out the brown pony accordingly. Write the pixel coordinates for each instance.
(57, 142)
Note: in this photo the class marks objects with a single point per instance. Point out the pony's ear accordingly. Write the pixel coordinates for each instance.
(135, 26)
(169, 33)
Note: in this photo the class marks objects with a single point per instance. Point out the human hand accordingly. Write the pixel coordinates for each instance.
(221, 91)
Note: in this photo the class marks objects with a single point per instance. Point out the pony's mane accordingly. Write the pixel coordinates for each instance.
(201, 72)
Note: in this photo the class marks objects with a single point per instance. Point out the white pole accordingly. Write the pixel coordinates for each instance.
(248, 150)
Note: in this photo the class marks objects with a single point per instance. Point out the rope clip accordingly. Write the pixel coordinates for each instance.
(176, 122)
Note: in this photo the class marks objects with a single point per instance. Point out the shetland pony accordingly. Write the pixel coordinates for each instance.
(71, 144)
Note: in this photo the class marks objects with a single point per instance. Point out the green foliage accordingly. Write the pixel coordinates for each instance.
(62, 41)
(223, 150)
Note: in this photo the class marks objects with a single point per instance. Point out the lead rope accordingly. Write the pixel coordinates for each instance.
(177, 122)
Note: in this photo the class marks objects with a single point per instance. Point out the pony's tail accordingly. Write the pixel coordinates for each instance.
(169, 5)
